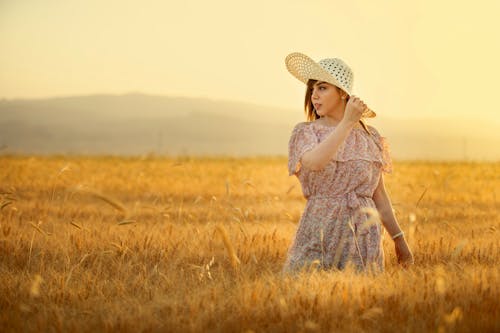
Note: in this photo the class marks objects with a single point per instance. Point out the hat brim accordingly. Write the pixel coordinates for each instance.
(304, 69)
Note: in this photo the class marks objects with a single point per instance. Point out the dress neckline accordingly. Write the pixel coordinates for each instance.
(329, 126)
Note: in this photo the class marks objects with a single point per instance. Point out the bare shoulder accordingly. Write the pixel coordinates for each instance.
(373, 130)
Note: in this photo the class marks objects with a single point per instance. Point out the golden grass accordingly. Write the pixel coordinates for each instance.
(197, 244)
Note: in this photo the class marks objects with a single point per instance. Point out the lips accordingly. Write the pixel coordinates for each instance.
(317, 105)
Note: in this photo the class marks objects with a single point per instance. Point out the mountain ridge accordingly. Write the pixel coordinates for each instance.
(137, 123)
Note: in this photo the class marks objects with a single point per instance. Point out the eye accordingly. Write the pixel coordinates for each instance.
(318, 87)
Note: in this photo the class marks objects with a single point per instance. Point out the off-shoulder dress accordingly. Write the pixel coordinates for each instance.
(337, 225)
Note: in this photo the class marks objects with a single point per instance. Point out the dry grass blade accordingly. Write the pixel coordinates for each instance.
(75, 266)
(454, 316)
(64, 169)
(75, 225)
(118, 246)
(113, 202)
(124, 222)
(5, 204)
(421, 196)
(290, 189)
(314, 265)
(109, 200)
(249, 183)
(235, 261)
(351, 226)
(39, 229)
(458, 249)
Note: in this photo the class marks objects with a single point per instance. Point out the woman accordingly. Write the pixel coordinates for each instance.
(339, 161)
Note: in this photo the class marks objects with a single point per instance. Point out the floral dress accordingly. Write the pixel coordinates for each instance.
(337, 225)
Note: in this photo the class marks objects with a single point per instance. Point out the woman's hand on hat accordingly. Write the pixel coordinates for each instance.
(354, 109)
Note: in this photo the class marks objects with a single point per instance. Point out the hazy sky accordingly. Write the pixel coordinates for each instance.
(409, 58)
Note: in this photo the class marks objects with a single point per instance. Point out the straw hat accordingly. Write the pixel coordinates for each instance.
(332, 70)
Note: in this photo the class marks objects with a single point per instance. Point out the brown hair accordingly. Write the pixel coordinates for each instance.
(309, 110)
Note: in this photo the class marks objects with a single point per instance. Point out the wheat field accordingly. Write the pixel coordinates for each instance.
(107, 244)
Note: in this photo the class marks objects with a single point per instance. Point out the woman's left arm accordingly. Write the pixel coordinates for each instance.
(384, 207)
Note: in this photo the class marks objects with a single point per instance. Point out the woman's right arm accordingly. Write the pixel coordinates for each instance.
(318, 157)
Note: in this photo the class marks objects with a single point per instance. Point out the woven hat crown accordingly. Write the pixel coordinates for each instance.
(340, 71)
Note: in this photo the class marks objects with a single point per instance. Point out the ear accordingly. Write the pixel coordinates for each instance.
(342, 93)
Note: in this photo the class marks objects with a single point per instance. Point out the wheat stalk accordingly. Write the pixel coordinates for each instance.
(235, 261)
(109, 200)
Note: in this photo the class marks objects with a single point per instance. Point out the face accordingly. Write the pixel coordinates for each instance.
(326, 98)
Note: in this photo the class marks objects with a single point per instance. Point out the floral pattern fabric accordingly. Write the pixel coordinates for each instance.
(336, 226)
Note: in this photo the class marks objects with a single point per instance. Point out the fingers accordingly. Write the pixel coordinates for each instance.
(404, 256)
(359, 102)
(406, 259)
(355, 108)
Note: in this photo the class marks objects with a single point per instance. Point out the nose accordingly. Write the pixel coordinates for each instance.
(314, 95)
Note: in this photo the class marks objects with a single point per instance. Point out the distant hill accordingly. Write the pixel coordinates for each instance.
(136, 124)
(139, 124)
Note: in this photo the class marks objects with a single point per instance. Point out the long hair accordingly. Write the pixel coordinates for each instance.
(311, 114)
(309, 109)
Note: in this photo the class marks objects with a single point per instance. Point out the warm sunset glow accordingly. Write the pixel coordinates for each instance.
(410, 58)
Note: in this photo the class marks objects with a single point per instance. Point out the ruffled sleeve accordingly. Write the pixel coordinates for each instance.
(385, 152)
(302, 139)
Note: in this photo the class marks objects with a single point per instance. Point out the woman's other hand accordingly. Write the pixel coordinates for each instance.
(405, 257)
(354, 109)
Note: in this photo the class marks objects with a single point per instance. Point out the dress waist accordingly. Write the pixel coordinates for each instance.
(352, 198)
